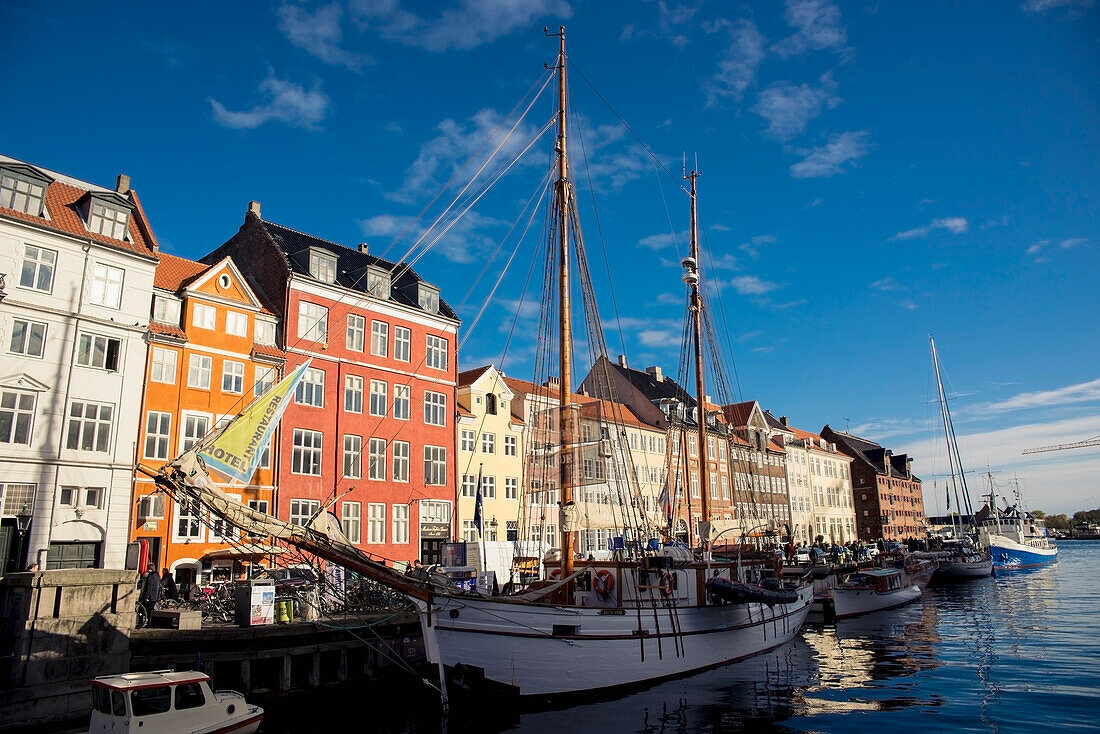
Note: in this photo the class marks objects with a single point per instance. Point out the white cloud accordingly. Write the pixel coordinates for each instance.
(725, 262)
(886, 284)
(789, 108)
(319, 33)
(829, 159)
(954, 225)
(465, 242)
(750, 285)
(817, 27)
(753, 246)
(1084, 392)
(737, 66)
(908, 305)
(470, 24)
(662, 241)
(1037, 246)
(286, 102)
(1071, 243)
(1040, 6)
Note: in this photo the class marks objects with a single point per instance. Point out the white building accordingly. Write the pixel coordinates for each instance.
(77, 263)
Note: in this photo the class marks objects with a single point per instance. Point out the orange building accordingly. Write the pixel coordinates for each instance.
(211, 351)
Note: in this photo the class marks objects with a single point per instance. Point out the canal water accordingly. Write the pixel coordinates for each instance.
(1004, 654)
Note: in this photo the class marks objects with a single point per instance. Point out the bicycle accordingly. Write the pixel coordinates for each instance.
(141, 615)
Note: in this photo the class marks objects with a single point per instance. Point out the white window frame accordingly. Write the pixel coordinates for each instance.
(353, 393)
(511, 488)
(356, 330)
(435, 465)
(187, 526)
(402, 451)
(376, 523)
(158, 434)
(351, 521)
(233, 377)
(95, 427)
(511, 446)
(488, 443)
(21, 194)
(20, 405)
(199, 369)
(467, 440)
(435, 408)
(307, 452)
(379, 397)
(312, 321)
(311, 388)
(98, 351)
(353, 456)
(435, 356)
(265, 378)
(265, 332)
(402, 343)
(379, 339)
(376, 468)
(193, 427)
(400, 524)
(42, 261)
(164, 365)
(236, 323)
(402, 402)
(469, 485)
(107, 220)
(204, 316)
(25, 334)
(301, 510)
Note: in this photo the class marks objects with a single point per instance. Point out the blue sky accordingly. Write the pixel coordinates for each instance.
(873, 172)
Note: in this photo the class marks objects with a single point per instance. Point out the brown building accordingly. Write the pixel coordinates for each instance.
(887, 495)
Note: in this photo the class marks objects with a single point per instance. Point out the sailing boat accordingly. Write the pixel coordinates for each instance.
(968, 560)
(1015, 537)
(654, 611)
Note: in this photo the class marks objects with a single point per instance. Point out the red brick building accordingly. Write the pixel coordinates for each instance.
(370, 435)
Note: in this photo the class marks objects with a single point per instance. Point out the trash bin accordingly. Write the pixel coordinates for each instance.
(255, 603)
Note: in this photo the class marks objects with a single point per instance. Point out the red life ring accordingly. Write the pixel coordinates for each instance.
(668, 583)
(554, 575)
(603, 583)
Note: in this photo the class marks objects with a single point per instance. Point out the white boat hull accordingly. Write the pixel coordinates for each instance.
(961, 569)
(853, 602)
(527, 647)
(1009, 553)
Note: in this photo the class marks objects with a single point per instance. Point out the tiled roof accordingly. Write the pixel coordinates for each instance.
(268, 351)
(738, 414)
(173, 271)
(65, 218)
(167, 330)
(467, 377)
(612, 412)
(350, 264)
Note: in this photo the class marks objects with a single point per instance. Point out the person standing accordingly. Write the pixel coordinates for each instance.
(150, 588)
(169, 585)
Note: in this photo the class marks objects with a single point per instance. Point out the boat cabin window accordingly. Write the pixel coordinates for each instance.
(106, 701)
(148, 701)
(189, 696)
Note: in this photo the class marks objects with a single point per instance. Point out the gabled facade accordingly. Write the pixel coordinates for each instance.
(76, 280)
(211, 352)
(370, 434)
(827, 473)
(887, 497)
(490, 446)
(760, 469)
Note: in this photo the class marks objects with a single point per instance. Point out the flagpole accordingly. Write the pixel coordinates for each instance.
(479, 519)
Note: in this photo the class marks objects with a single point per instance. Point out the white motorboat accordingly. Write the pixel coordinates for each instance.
(168, 702)
(873, 590)
(1015, 537)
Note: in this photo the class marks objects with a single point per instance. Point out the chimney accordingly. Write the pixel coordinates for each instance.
(656, 373)
(122, 184)
(254, 208)
(363, 247)
(786, 423)
(622, 360)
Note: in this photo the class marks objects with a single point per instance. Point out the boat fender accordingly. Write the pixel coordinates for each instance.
(603, 583)
(668, 583)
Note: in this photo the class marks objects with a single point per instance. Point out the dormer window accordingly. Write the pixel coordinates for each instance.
(166, 310)
(106, 214)
(428, 298)
(322, 265)
(22, 191)
(378, 282)
(265, 332)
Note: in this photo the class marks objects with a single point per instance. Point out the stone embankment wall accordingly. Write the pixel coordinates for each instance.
(57, 630)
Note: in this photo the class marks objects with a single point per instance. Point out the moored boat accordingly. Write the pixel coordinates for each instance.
(873, 590)
(1016, 538)
(168, 702)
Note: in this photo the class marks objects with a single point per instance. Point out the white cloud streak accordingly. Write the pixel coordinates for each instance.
(750, 285)
(286, 102)
(830, 159)
(954, 225)
(319, 34)
(737, 67)
(817, 28)
(788, 108)
(1083, 392)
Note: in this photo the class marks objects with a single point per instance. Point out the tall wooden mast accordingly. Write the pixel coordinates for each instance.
(563, 203)
(691, 277)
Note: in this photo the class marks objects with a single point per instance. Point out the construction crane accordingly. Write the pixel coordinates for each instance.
(1094, 441)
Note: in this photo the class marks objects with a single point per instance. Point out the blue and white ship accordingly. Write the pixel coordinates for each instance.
(1014, 536)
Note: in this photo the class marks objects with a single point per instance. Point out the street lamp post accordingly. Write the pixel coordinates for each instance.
(22, 524)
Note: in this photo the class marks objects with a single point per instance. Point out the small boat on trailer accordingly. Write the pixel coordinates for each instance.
(168, 702)
(873, 590)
